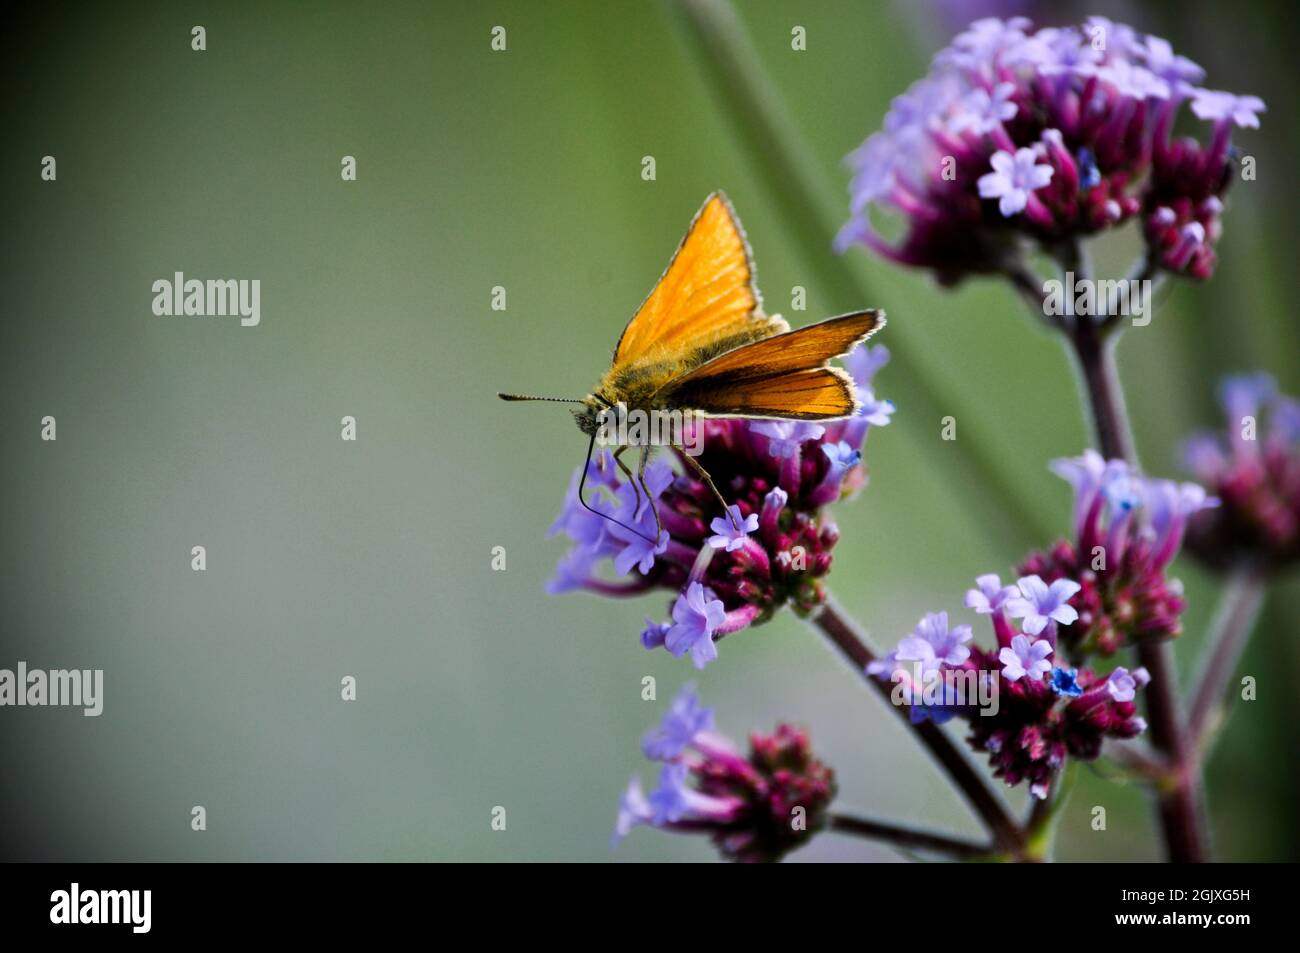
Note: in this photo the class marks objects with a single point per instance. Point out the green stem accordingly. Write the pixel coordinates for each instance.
(1239, 607)
(1040, 826)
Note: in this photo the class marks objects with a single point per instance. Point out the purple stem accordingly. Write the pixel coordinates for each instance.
(1179, 801)
(1007, 836)
(908, 838)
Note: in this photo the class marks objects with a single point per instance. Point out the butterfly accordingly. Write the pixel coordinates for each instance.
(701, 343)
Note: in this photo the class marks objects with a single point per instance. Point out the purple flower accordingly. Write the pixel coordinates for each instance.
(731, 532)
(1170, 505)
(1040, 603)
(1022, 659)
(981, 111)
(675, 532)
(1044, 716)
(933, 645)
(1127, 528)
(1133, 81)
(875, 412)
(842, 456)
(864, 361)
(990, 595)
(785, 436)
(1013, 179)
(1253, 467)
(773, 505)
(696, 616)
(633, 810)
(742, 802)
(1085, 475)
(1241, 110)
(681, 725)
(638, 551)
(1123, 686)
(580, 524)
(1056, 52)
(572, 572)
(654, 633)
(1242, 395)
(674, 800)
(988, 101)
(1169, 66)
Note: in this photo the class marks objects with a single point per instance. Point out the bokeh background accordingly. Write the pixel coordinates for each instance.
(372, 559)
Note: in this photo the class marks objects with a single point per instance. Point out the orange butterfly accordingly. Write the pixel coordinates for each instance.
(701, 343)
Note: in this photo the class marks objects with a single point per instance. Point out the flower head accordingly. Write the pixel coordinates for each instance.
(1049, 135)
(724, 570)
(1253, 468)
(1127, 528)
(744, 802)
(1035, 712)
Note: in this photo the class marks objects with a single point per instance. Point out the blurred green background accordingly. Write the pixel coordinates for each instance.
(372, 559)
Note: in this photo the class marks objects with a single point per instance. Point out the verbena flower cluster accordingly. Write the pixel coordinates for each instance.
(754, 806)
(726, 571)
(1044, 710)
(1254, 469)
(1127, 528)
(1102, 590)
(1045, 137)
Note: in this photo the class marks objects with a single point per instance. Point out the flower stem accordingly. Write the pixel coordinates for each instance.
(1179, 799)
(1040, 826)
(908, 838)
(843, 635)
(1239, 607)
(1094, 351)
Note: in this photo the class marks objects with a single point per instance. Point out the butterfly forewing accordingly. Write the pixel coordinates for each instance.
(705, 303)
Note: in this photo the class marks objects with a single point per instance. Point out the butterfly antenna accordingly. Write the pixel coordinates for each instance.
(582, 498)
(556, 400)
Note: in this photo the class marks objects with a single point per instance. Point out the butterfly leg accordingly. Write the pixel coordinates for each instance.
(704, 474)
(618, 458)
(640, 472)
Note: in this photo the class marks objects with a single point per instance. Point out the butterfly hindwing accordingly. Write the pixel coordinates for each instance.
(824, 393)
(781, 376)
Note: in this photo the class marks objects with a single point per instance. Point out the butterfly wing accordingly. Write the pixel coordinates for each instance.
(706, 301)
(785, 376)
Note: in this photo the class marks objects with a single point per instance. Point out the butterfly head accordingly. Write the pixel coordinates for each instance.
(589, 417)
